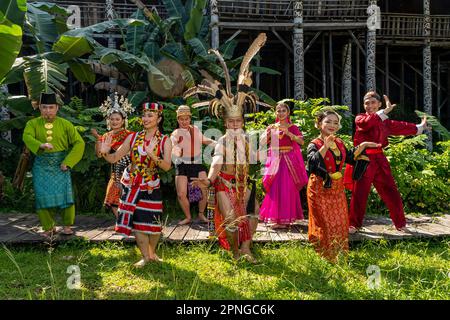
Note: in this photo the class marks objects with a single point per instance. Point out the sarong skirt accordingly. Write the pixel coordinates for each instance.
(139, 211)
(52, 186)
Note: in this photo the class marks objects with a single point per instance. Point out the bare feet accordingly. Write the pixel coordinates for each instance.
(155, 258)
(403, 229)
(184, 221)
(49, 233)
(247, 255)
(67, 231)
(141, 263)
(202, 218)
(279, 226)
(352, 230)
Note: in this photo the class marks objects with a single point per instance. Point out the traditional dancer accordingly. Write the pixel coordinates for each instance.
(236, 214)
(58, 147)
(141, 205)
(116, 113)
(187, 143)
(285, 173)
(374, 125)
(327, 203)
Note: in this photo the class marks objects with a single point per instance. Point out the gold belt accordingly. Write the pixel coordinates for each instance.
(336, 175)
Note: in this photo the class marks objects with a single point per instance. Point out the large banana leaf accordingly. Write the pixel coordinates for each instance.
(175, 9)
(82, 71)
(201, 48)
(175, 51)
(227, 49)
(15, 74)
(15, 123)
(194, 23)
(256, 69)
(59, 14)
(43, 75)
(136, 36)
(111, 56)
(72, 47)
(42, 27)
(105, 25)
(19, 105)
(12, 13)
(11, 42)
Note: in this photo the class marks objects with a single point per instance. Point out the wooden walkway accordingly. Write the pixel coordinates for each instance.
(22, 228)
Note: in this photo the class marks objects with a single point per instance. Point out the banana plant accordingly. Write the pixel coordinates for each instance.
(12, 14)
(44, 71)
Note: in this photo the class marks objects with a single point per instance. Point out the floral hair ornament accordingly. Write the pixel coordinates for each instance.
(152, 106)
(223, 103)
(119, 105)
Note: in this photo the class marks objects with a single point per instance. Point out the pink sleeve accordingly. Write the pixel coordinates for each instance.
(294, 129)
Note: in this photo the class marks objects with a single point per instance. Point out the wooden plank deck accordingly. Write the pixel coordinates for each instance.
(19, 228)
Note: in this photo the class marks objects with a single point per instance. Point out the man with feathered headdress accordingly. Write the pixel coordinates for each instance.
(58, 147)
(236, 215)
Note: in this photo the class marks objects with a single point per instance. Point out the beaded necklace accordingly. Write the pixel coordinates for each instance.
(147, 168)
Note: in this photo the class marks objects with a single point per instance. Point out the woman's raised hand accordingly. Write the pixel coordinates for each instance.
(151, 146)
(329, 140)
(105, 146)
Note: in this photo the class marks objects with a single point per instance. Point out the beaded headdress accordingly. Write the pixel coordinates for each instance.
(119, 105)
(152, 106)
(224, 103)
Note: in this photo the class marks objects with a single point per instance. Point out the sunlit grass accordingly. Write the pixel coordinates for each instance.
(408, 270)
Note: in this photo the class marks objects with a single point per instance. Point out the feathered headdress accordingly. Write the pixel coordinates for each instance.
(119, 105)
(224, 102)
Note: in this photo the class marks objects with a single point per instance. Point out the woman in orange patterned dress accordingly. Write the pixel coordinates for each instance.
(116, 120)
(327, 203)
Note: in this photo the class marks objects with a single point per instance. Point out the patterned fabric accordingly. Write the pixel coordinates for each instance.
(141, 206)
(284, 176)
(114, 188)
(140, 211)
(52, 186)
(226, 183)
(143, 172)
(113, 193)
(328, 217)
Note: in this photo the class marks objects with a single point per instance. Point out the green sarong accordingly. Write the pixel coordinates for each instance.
(52, 186)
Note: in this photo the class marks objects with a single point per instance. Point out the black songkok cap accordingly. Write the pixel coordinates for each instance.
(48, 98)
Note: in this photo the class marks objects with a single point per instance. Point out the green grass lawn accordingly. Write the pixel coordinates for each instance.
(408, 270)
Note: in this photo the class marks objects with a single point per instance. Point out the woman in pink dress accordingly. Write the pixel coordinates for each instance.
(285, 173)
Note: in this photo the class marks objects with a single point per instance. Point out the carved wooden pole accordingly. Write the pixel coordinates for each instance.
(427, 90)
(110, 15)
(347, 76)
(214, 24)
(373, 23)
(4, 114)
(299, 62)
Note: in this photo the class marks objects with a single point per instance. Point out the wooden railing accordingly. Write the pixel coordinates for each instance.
(410, 27)
(93, 12)
(440, 27)
(354, 10)
(393, 26)
(282, 10)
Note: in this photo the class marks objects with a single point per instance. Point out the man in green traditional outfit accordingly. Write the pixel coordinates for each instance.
(58, 147)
